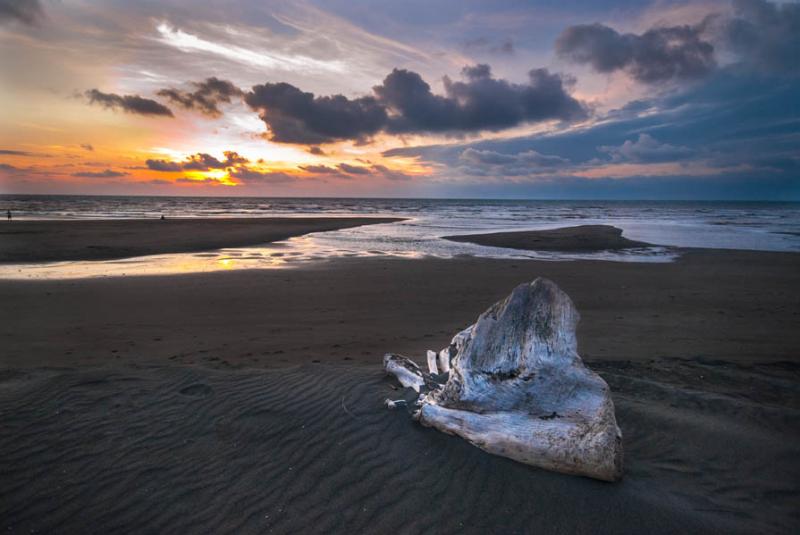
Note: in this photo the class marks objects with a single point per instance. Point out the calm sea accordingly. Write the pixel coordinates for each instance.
(733, 225)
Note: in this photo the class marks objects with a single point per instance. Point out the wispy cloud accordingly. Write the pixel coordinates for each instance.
(260, 57)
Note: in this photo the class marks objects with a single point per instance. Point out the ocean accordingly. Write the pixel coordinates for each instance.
(764, 226)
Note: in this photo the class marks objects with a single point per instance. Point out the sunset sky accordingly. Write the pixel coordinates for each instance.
(454, 98)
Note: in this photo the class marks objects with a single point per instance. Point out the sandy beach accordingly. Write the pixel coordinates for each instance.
(50, 241)
(251, 401)
(567, 239)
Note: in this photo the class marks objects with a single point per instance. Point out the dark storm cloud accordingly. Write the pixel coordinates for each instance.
(765, 35)
(659, 54)
(25, 11)
(739, 125)
(128, 103)
(206, 97)
(108, 173)
(404, 103)
(480, 102)
(295, 116)
(197, 162)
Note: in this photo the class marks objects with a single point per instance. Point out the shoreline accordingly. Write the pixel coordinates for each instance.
(113, 239)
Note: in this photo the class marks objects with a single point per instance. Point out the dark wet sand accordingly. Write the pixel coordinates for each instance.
(583, 238)
(738, 306)
(251, 402)
(710, 448)
(48, 241)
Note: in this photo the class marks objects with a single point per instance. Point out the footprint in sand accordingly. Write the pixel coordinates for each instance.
(197, 390)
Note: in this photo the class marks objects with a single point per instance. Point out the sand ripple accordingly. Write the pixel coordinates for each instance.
(311, 450)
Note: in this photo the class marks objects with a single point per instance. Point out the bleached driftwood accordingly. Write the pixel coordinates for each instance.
(433, 365)
(406, 371)
(516, 387)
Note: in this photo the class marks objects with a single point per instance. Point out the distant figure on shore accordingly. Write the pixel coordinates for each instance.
(162, 217)
(8, 213)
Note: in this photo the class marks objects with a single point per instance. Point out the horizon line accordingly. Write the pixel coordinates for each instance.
(400, 198)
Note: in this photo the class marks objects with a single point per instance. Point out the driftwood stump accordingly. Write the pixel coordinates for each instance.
(514, 385)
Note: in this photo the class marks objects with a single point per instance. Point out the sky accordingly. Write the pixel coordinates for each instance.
(567, 99)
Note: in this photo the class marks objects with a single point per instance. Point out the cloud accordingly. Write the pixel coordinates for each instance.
(201, 162)
(646, 149)
(199, 181)
(108, 173)
(734, 126)
(657, 55)
(206, 97)
(487, 162)
(10, 152)
(404, 103)
(8, 167)
(87, 146)
(25, 11)
(245, 174)
(506, 47)
(765, 35)
(480, 102)
(128, 103)
(316, 151)
(345, 170)
(164, 165)
(294, 116)
(197, 162)
(529, 158)
(353, 169)
(482, 44)
(320, 169)
(389, 174)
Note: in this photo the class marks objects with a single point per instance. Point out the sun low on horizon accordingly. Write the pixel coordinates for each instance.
(667, 99)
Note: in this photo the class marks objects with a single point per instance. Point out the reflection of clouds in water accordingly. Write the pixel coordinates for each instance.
(293, 252)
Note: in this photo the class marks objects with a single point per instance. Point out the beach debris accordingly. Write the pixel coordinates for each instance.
(393, 404)
(514, 385)
(406, 371)
(433, 358)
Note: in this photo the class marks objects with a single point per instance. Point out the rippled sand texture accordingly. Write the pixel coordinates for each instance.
(710, 447)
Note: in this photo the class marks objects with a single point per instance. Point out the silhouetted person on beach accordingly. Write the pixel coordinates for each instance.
(162, 217)
(8, 213)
